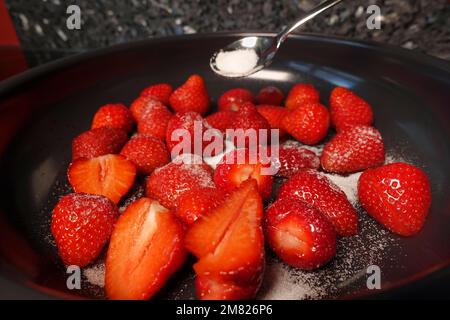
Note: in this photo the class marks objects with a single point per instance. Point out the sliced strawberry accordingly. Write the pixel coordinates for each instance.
(232, 99)
(216, 288)
(110, 175)
(247, 125)
(221, 120)
(270, 95)
(347, 109)
(146, 152)
(353, 149)
(197, 202)
(299, 234)
(98, 142)
(81, 225)
(307, 123)
(154, 119)
(318, 191)
(146, 248)
(160, 92)
(229, 240)
(191, 96)
(300, 94)
(397, 195)
(293, 158)
(238, 166)
(273, 115)
(168, 183)
(113, 116)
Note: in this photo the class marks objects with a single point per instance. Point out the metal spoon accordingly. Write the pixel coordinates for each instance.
(266, 47)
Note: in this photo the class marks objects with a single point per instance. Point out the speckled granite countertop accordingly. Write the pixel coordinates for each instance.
(422, 25)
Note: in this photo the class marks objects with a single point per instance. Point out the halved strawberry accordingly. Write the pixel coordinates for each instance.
(146, 248)
(81, 225)
(217, 288)
(98, 142)
(154, 119)
(270, 95)
(273, 114)
(146, 152)
(397, 195)
(221, 120)
(300, 94)
(191, 96)
(110, 175)
(232, 99)
(353, 149)
(160, 92)
(318, 191)
(307, 123)
(347, 109)
(113, 116)
(168, 183)
(229, 240)
(238, 166)
(293, 158)
(299, 234)
(196, 202)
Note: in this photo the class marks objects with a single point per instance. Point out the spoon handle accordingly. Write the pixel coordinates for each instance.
(306, 17)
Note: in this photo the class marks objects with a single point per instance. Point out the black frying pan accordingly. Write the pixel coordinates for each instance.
(44, 108)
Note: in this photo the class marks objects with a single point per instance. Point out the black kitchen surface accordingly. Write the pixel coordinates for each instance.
(422, 25)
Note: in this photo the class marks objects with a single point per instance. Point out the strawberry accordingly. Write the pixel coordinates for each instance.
(273, 115)
(307, 123)
(146, 248)
(98, 142)
(168, 183)
(160, 92)
(191, 96)
(238, 166)
(142, 104)
(293, 158)
(154, 121)
(110, 176)
(347, 109)
(194, 203)
(81, 225)
(146, 152)
(221, 120)
(229, 244)
(113, 116)
(300, 234)
(317, 190)
(300, 94)
(397, 195)
(353, 149)
(251, 122)
(232, 99)
(270, 95)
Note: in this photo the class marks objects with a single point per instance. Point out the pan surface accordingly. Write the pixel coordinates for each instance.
(43, 109)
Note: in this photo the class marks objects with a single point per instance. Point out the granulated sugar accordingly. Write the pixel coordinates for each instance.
(348, 184)
(95, 274)
(237, 62)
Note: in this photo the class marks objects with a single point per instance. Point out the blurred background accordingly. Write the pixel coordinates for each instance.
(41, 32)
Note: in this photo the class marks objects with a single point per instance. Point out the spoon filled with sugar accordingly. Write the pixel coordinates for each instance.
(251, 54)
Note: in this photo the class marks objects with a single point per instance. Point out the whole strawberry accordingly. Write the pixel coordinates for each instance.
(98, 142)
(292, 158)
(154, 119)
(221, 120)
(397, 195)
(160, 92)
(146, 152)
(191, 96)
(317, 190)
(114, 116)
(81, 225)
(273, 115)
(353, 149)
(270, 95)
(301, 94)
(347, 109)
(307, 123)
(232, 99)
